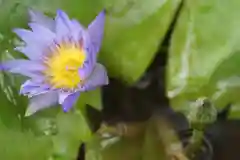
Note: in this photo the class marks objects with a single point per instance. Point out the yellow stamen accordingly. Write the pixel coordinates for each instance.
(63, 65)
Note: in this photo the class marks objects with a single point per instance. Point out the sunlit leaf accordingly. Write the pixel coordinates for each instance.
(47, 133)
(23, 145)
(93, 98)
(204, 53)
(16, 142)
(226, 80)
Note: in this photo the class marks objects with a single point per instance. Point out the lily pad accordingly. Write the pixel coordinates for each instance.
(47, 134)
(204, 53)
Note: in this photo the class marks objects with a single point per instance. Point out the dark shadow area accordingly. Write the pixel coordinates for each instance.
(224, 137)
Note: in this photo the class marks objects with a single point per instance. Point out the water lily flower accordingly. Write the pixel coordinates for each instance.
(62, 60)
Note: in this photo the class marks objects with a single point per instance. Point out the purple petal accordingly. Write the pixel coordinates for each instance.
(62, 96)
(67, 100)
(32, 52)
(33, 87)
(77, 30)
(24, 67)
(22, 64)
(34, 39)
(87, 68)
(44, 33)
(25, 35)
(27, 86)
(97, 78)
(91, 57)
(41, 101)
(35, 45)
(40, 90)
(96, 30)
(41, 19)
(77, 25)
(62, 24)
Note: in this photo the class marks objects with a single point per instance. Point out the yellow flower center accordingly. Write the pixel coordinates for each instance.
(63, 65)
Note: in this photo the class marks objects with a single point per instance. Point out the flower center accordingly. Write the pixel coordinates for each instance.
(63, 65)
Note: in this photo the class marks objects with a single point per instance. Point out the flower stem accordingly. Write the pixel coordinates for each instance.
(195, 143)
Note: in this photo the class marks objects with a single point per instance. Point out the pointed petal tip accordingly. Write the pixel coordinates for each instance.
(98, 78)
(39, 17)
(40, 102)
(60, 13)
(31, 25)
(22, 33)
(68, 101)
(104, 11)
(15, 30)
(20, 91)
(65, 110)
(41, 29)
(31, 11)
(2, 68)
(30, 111)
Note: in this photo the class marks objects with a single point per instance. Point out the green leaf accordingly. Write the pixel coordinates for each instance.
(67, 130)
(23, 145)
(49, 133)
(16, 142)
(134, 31)
(204, 53)
(92, 98)
(93, 151)
(226, 82)
(128, 46)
